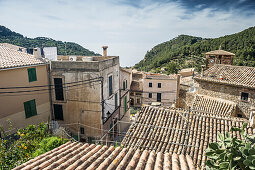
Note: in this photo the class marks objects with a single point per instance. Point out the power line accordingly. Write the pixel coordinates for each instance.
(24, 87)
(28, 91)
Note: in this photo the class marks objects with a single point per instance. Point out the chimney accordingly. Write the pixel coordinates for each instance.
(202, 70)
(105, 50)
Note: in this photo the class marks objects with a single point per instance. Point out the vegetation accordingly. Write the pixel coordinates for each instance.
(69, 48)
(26, 144)
(188, 51)
(232, 153)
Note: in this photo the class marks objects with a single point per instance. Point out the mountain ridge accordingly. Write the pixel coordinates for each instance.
(69, 48)
(186, 51)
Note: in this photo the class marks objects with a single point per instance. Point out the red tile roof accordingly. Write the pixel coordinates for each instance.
(10, 57)
(84, 156)
(228, 74)
(169, 130)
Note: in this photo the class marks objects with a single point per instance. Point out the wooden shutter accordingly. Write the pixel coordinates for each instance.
(31, 74)
(27, 109)
(110, 85)
(125, 104)
(33, 107)
(124, 87)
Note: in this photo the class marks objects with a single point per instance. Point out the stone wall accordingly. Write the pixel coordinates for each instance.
(228, 92)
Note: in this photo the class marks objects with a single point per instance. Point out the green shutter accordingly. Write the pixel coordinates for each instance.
(30, 108)
(125, 104)
(33, 107)
(32, 74)
(124, 86)
(27, 109)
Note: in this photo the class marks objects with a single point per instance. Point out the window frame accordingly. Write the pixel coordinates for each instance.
(110, 85)
(58, 88)
(159, 85)
(244, 98)
(30, 108)
(150, 84)
(150, 95)
(62, 116)
(32, 76)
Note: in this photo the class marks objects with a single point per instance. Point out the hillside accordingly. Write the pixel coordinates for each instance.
(8, 36)
(187, 51)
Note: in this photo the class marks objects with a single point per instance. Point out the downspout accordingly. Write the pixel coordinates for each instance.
(102, 102)
(50, 93)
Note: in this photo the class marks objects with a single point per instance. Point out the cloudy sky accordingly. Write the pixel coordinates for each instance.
(128, 27)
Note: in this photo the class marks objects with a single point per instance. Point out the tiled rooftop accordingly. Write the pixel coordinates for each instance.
(219, 52)
(178, 131)
(84, 156)
(213, 105)
(228, 74)
(9, 57)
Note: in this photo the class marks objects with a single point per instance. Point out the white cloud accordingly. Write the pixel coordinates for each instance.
(128, 30)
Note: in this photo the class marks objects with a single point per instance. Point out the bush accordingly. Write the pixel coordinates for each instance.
(48, 144)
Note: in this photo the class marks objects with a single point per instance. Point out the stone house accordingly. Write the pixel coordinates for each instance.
(86, 93)
(136, 89)
(24, 90)
(228, 82)
(160, 88)
(219, 57)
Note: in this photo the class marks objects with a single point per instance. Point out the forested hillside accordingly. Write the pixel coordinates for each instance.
(8, 36)
(187, 51)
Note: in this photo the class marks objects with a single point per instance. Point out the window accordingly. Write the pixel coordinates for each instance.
(110, 85)
(116, 100)
(125, 104)
(58, 112)
(124, 85)
(150, 84)
(158, 97)
(244, 96)
(150, 95)
(159, 85)
(58, 89)
(31, 74)
(81, 130)
(30, 108)
(138, 101)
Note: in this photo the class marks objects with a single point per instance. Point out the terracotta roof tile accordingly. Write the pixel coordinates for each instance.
(213, 105)
(9, 57)
(84, 156)
(169, 130)
(219, 52)
(228, 74)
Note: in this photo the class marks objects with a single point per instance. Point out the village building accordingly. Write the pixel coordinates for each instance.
(160, 88)
(24, 88)
(86, 93)
(219, 57)
(233, 83)
(136, 89)
(84, 156)
(174, 130)
(125, 82)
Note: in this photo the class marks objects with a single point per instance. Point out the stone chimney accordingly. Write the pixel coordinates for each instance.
(202, 70)
(105, 50)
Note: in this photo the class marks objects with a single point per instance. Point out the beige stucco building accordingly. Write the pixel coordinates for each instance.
(160, 88)
(21, 100)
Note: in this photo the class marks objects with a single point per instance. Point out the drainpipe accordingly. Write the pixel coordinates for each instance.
(50, 92)
(102, 101)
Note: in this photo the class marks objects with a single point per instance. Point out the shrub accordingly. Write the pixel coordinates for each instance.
(48, 144)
